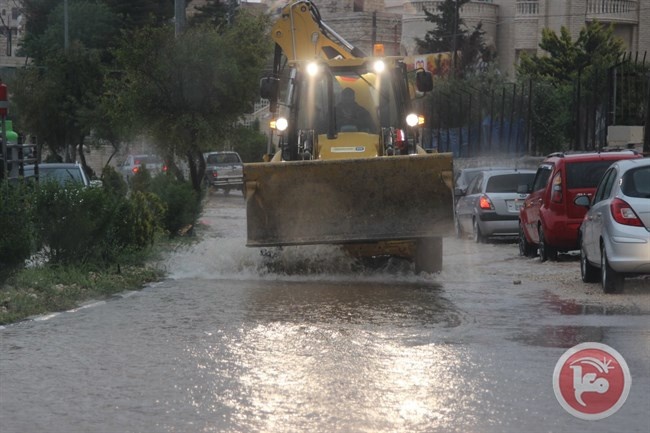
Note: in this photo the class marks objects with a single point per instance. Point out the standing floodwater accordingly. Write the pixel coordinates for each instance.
(305, 339)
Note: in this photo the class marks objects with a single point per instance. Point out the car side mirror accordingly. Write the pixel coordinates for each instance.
(269, 87)
(582, 200)
(523, 189)
(459, 192)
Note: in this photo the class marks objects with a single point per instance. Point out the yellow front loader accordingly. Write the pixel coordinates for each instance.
(354, 177)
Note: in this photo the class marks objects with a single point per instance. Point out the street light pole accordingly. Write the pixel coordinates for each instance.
(66, 37)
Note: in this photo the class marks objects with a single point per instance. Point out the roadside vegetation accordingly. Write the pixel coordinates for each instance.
(121, 73)
(61, 246)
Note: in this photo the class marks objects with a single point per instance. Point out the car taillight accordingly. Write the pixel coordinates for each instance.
(136, 169)
(623, 213)
(214, 174)
(556, 191)
(164, 168)
(485, 203)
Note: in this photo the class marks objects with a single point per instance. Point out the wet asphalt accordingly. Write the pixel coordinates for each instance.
(305, 339)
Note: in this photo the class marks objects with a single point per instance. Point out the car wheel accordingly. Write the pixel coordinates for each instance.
(588, 272)
(525, 248)
(478, 236)
(611, 280)
(546, 252)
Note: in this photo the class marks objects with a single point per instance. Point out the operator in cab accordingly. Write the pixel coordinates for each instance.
(350, 116)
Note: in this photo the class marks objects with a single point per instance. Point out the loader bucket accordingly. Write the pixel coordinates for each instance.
(348, 201)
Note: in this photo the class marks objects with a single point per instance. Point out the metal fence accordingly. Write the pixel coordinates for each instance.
(468, 121)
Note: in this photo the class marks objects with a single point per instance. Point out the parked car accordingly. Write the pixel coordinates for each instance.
(464, 176)
(549, 219)
(59, 172)
(491, 204)
(615, 232)
(224, 170)
(133, 163)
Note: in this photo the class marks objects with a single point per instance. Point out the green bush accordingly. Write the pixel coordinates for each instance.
(182, 203)
(113, 182)
(71, 222)
(135, 222)
(16, 228)
(141, 181)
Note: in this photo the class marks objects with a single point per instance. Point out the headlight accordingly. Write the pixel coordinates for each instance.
(312, 69)
(379, 66)
(412, 119)
(281, 124)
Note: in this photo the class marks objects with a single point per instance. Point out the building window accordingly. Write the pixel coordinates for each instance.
(15, 12)
(357, 6)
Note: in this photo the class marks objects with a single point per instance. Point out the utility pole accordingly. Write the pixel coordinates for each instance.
(453, 41)
(66, 34)
(179, 16)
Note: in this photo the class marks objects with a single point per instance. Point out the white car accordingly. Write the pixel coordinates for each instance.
(153, 163)
(615, 232)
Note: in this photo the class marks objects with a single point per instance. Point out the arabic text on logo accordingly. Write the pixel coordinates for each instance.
(591, 381)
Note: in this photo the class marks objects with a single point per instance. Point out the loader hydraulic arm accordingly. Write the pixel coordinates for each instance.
(303, 35)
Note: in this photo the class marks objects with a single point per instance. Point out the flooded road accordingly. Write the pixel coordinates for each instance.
(307, 340)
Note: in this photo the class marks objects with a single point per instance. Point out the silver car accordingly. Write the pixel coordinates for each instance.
(224, 170)
(615, 233)
(59, 172)
(490, 206)
(153, 163)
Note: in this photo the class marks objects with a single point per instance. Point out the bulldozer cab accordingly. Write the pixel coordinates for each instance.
(351, 101)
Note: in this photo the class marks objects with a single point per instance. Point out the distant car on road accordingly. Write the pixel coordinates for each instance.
(615, 232)
(490, 206)
(59, 172)
(464, 176)
(133, 163)
(224, 170)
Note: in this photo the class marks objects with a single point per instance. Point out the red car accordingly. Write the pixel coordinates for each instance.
(549, 219)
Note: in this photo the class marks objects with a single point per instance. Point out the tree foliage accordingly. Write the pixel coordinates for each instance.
(183, 91)
(595, 50)
(450, 33)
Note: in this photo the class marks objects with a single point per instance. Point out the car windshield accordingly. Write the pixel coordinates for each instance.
(62, 175)
(585, 174)
(508, 182)
(222, 158)
(636, 183)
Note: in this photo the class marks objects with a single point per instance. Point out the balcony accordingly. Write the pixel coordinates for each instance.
(475, 10)
(527, 9)
(613, 11)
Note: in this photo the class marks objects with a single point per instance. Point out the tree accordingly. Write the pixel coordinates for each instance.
(215, 12)
(183, 91)
(450, 34)
(53, 99)
(593, 52)
(582, 64)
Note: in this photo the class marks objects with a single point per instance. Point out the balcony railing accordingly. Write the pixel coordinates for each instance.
(432, 5)
(527, 9)
(613, 10)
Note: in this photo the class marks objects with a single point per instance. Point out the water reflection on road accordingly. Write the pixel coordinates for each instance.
(304, 339)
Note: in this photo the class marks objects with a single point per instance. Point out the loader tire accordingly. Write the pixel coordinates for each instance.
(428, 255)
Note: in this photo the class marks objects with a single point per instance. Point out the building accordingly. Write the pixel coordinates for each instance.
(11, 30)
(515, 26)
